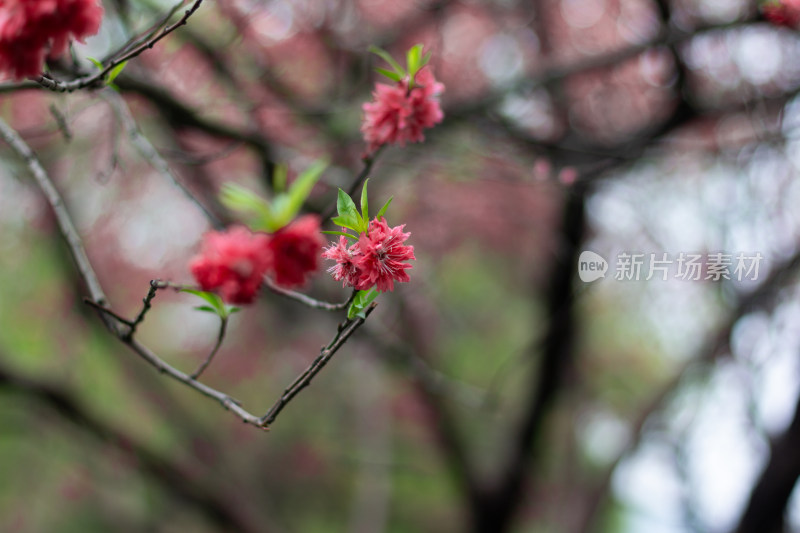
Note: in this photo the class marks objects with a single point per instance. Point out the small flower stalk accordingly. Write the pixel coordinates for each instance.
(400, 113)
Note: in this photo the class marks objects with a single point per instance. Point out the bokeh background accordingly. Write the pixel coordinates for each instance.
(496, 391)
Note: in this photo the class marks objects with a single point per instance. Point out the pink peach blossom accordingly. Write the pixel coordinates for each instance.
(33, 29)
(398, 115)
(295, 251)
(233, 263)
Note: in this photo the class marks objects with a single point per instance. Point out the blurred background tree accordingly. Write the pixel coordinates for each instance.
(496, 391)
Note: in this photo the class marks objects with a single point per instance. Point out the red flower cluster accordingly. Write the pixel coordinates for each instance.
(782, 12)
(234, 262)
(398, 115)
(32, 29)
(377, 258)
(295, 251)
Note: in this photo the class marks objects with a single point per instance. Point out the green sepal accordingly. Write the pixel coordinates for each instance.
(360, 303)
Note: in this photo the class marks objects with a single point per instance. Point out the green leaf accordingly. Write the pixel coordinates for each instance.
(112, 75)
(301, 188)
(216, 302)
(96, 63)
(206, 308)
(425, 60)
(394, 76)
(231, 310)
(347, 223)
(384, 208)
(383, 54)
(414, 60)
(348, 214)
(364, 202)
(360, 303)
(279, 178)
(243, 200)
(342, 233)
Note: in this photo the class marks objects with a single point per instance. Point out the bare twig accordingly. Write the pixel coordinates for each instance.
(307, 300)
(65, 224)
(146, 149)
(155, 285)
(345, 330)
(223, 326)
(99, 301)
(147, 303)
(96, 291)
(109, 312)
(146, 35)
(95, 80)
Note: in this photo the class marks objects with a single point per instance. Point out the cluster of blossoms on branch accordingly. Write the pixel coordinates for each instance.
(31, 30)
(378, 258)
(399, 113)
(233, 263)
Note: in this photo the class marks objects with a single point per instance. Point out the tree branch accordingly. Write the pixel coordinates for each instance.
(63, 219)
(346, 329)
(307, 300)
(95, 80)
(223, 326)
(716, 345)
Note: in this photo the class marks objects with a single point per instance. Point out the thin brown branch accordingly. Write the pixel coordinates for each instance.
(109, 312)
(345, 330)
(95, 80)
(63, 219)
(307, 300)
(223, 326)
(146, 35)
(95, 290)
(147, 303)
